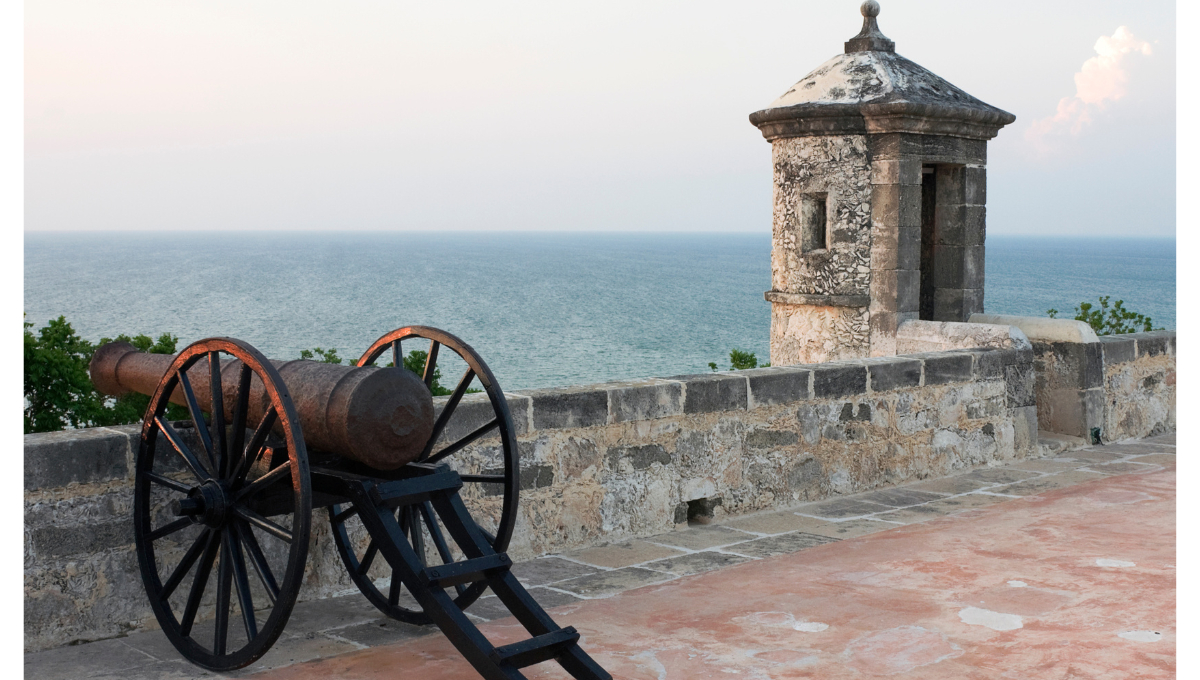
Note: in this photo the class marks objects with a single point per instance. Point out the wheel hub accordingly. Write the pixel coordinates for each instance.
(206, 504)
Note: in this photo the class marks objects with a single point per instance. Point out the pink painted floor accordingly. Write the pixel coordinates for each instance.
(1073, 583)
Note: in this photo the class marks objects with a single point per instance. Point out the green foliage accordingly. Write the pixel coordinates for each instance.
(1110, 321)
(739, 360)
(58, 391)
(327, 356)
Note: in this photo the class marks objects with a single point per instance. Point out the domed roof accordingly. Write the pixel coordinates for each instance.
(870, 88)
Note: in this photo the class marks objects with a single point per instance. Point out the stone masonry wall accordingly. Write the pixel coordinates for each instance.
(1122, 385)
(599, 463)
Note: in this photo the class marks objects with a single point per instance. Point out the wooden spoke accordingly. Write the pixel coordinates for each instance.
(197, 416)
(394, 589)
(263, 523)
(410, 522)
(284, 471)
(341, 517)
(487, 534)
(198, 584)
(185, 565)
(240, 410)
(464, 442)
(176, 442)
(224, 581)
(364, 565)
(447, 411)
(483, 479)
(431, 363)
(256, 444)
(241, 583)
(258, 560)
(167, 482)
(397, 354)
(218, 413)
(169, 529)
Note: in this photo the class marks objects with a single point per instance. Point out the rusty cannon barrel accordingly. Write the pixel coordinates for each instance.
(381, 417)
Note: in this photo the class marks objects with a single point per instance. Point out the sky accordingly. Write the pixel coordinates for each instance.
(626, 116)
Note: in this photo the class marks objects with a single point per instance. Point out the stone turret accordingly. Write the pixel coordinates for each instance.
(879, 172)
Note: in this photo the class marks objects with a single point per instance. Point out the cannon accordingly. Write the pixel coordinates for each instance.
(420, 515)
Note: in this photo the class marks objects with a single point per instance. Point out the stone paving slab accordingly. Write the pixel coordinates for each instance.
(342, 625)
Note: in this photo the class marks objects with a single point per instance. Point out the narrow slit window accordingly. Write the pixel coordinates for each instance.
(813, 222)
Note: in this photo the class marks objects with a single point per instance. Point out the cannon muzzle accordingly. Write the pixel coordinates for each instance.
(381, 417)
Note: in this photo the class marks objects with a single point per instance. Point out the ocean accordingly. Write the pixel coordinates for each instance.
(542, 309)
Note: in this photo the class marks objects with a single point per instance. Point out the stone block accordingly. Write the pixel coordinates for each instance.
(835, 379)
(974, 225)
(975, 186)
(640, 457)
(885, 205)
(910, 206)
(841, 508)
(947, 367)
(948, 305)
(909, 252)
(972, 301)
(989, 363)
(617, 555)
(1074, 364)
(1020, 388)
(56, 459)
(777, 385)
(1025, 429)
(893, 373)
(547, 570)
(697, 563)
(1155, 343)
(608, 583)
(899, 498)
(714, 392)
(568, 407)
(645, 399)
(896, 171)
(949, 225)
(895, 248)
(943, 149)
(973, 267)
(771, 439)
(702, 537)
(783, 544)
(1115, 349)
(948, 266)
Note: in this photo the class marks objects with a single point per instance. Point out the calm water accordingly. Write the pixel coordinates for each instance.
(542, 309)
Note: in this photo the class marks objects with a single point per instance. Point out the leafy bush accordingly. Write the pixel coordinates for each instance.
(739, 360)
(58, 389)
(1110, 321)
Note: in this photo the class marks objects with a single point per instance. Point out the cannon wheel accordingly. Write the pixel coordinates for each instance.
(412, 518)
(203, 498)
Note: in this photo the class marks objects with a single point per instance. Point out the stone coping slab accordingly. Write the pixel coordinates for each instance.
(331, 627)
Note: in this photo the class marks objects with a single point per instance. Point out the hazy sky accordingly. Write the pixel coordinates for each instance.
(552, 115)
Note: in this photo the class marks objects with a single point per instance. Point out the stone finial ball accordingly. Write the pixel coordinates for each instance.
(870, 8)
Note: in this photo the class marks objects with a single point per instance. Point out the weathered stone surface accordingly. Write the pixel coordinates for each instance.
(777, 385)
(805, 334)
(696, 563)
(701, 538)
(567, 408)
(715, 392)
(56, 459)
(1117, 350)
(834, 380)
(645, 399)
(893, 373)
(947, 367)
(783, 544)
(1155, 343)
(610, 582)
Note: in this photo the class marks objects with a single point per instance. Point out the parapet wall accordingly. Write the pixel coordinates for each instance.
(1112, 388)
(600, 463)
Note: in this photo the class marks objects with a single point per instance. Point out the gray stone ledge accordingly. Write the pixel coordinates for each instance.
(645, 399)
(714, 392)
(839, 379)
(947, 367)
(817, 300)
(1154, 343)
(584, 406)
(85, 456)
(778, 385)
(1117, 349)
(891, 373)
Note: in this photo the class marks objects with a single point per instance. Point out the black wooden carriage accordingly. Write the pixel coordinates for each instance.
(229, 502)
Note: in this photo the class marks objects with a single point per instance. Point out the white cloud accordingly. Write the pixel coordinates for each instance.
(1102, 80)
